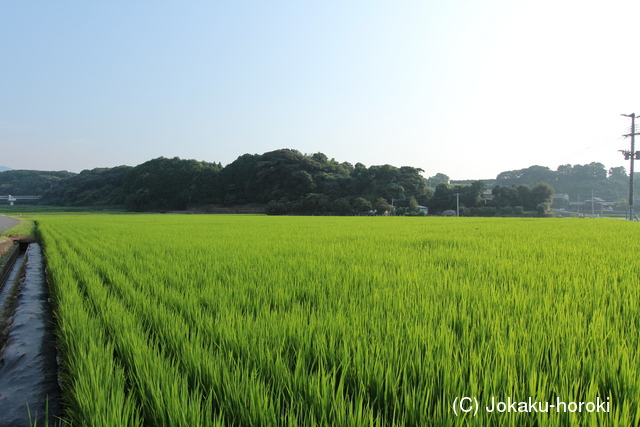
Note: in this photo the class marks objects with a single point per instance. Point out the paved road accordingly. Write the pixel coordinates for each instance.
(6, 223)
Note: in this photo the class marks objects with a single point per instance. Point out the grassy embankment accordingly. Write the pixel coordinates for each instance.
(26, 228)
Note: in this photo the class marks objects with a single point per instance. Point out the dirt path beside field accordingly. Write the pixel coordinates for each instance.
(6, 223)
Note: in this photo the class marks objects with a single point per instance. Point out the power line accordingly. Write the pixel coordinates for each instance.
(453, 195)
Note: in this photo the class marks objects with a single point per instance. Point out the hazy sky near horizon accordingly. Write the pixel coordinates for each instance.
(469, 88)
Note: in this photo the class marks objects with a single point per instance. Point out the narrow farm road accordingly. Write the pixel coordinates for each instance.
(6, 223)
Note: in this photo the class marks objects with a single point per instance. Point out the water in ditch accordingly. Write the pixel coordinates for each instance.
(11, 278)
(29, 390)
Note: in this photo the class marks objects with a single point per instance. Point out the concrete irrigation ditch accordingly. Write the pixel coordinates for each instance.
(29, 390)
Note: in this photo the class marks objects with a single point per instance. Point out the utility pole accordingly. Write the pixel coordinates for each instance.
(631, 155)
(458, 204)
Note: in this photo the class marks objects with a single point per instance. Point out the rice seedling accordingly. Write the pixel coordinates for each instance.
(253, 320)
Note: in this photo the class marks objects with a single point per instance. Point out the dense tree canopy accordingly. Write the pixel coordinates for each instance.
(170, 184)
(101, 186)
(447, 197)
(288, 181)
(238, 183)
(574, 180)
(437, 179)
(30, 183)
(285, 180)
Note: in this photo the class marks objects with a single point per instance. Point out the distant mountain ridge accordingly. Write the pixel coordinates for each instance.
(4, 168)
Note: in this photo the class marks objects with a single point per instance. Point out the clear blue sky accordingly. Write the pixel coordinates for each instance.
(469, 88)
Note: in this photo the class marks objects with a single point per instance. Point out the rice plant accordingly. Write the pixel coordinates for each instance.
(254, 320)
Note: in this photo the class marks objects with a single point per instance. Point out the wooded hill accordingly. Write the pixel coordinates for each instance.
(287, 181)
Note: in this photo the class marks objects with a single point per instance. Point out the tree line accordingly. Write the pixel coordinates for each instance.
(574, 180)
(288, 182)
(285, 181)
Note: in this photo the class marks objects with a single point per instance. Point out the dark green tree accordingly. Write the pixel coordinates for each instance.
(505, 196)
(525, 199)
(341, 206)
(413, 205)
(31, 183)
(361, 205)
(96, 187)
(438, 178)
(471, 195)
(529, 176)
(542, 195)
(238, 181)
(314, 204)
(412, 181)
(166, 184)
(618, 173)
(285, 173)
(381, 206)
(443, 199)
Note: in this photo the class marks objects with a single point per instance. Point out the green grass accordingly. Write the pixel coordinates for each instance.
(26, 228)
(34, 209)
(255, 320)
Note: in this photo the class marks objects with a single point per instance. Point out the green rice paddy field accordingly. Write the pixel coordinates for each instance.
(167, 320)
